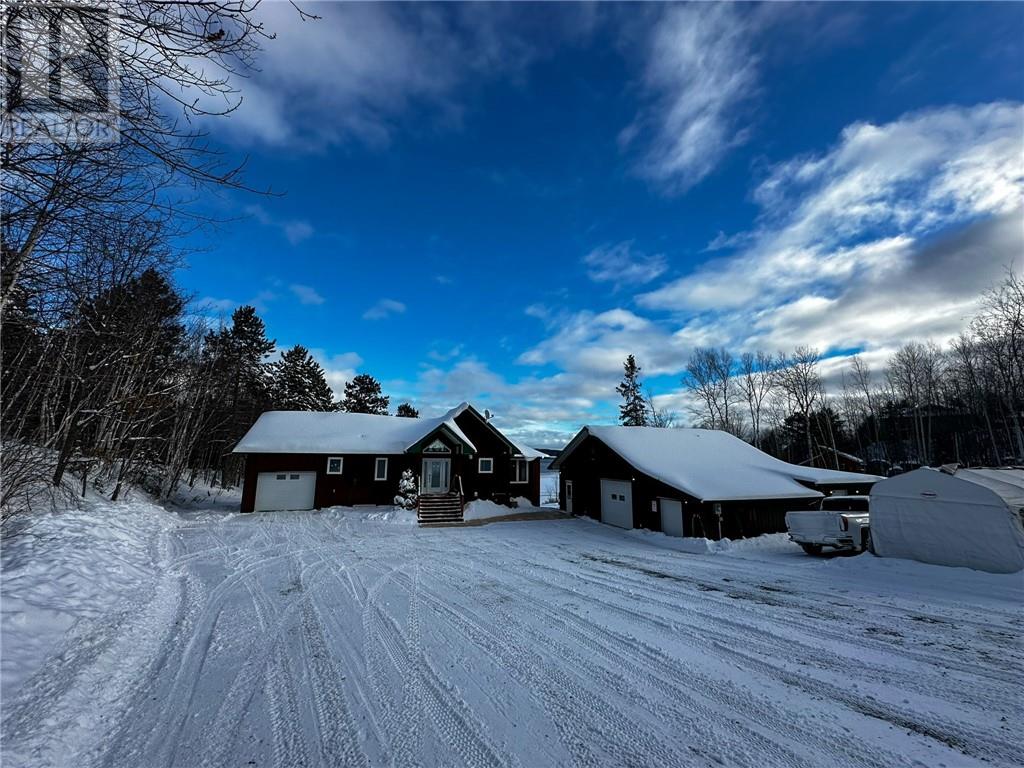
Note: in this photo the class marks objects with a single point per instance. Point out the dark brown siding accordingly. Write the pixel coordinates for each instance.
(355, 485)
(593, 460)
(497, 486)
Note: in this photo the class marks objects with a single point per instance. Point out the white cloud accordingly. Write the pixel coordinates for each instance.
(892, 235)
(338, 369)
(306, 294)
(701, 68)
(384, 308)
(215, 305)
(294, 230)
(622, 265)
(359, 71)
(863, 207)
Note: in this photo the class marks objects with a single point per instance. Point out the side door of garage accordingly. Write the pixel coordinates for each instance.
(617, 502)
(285, 490)
(671, 516)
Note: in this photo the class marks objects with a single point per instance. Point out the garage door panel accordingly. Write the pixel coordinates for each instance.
(285, 491)
(617, 502)
(671, 517)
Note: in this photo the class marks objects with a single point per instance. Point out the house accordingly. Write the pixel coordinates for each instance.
(970, 518)
(824, 456)
(310, 460)
(689, 482)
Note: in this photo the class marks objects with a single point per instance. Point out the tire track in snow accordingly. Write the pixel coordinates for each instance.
(699, 606)
(604, 729)
(677, 708)
(338, 733)
(954, 734)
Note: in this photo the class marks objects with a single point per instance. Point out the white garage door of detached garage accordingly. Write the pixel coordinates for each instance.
(617, 502)
(284, 490)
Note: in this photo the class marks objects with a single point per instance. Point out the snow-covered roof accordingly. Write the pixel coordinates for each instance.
(527, 452)
(332, 432)
(1006, 483)
(712, 465)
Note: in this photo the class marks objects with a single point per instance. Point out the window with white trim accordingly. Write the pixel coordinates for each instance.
(486, 466)
(380, 469)
(334, 465)
(520, 471)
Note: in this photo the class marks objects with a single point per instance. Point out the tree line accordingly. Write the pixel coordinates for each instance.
(930, 405)
(105, 373)
(128, 387)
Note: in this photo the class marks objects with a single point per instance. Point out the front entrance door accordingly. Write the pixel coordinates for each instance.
(436, 475)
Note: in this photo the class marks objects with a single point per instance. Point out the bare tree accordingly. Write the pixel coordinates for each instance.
(800, 380)
(174, 56)
(658, 417)
(758, 377)
(709, 376)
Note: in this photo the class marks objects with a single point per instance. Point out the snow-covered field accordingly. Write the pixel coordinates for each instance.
(133, 636)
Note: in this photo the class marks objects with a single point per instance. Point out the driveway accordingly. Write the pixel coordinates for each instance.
(298, 639)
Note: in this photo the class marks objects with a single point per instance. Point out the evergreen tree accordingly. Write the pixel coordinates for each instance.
(405, 409)
(408, 490)
(300, 383)
(238, 356)
(363, 395)
(633, 411)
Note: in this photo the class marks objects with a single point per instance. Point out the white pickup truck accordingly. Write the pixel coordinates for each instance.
(841, 523)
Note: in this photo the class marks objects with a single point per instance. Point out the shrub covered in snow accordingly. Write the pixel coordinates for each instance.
(408, 490)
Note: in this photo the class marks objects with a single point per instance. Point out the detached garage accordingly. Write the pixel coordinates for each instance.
(689, 482)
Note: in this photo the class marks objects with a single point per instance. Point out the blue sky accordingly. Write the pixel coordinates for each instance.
(498, 202)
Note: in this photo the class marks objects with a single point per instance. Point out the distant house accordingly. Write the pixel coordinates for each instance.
(689, 482)
(310, 460)
(824, 456)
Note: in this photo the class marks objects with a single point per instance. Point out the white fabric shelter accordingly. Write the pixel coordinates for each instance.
(969, 518)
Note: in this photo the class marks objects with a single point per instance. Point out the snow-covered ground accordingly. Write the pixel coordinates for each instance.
(139, 637)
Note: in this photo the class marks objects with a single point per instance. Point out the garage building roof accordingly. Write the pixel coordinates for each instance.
(712, 465)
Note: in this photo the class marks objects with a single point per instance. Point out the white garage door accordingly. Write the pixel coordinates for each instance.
(617, 503)
(285, 490)
(671, 517)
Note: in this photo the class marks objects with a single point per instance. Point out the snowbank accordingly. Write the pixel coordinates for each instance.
(769, 543)
(202, 496)
(391, 515)
(483, 510)
(71, 568)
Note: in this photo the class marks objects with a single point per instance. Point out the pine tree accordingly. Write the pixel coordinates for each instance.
(300, 383)
(363, 395)
(633, 412)
(405, 409)
(238, 356)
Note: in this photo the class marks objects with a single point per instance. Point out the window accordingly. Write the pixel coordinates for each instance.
(282, 477)
(293, 477)
(486, 466)
(437, 447)
(380, 469)
(520, 471)
(334, 464)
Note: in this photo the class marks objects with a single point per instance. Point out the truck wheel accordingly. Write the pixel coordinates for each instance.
(812, 549)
